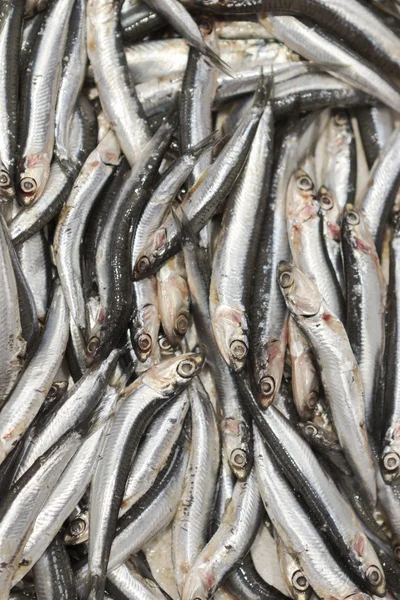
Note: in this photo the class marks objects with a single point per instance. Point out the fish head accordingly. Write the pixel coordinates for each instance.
(390, 465)
(174, 373)
(146, 327)
(301, 294)
(7, 191)
(237, 442)
(330, 211)
(231, 334)
(33, 174)
(301, 198)
(370, 568)
(151, 257)
(356, 231)
(173, 302)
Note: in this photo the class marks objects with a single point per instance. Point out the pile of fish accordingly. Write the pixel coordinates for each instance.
(199, 299)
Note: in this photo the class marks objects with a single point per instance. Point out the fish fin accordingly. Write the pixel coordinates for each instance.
(218, 62)
(206, 144)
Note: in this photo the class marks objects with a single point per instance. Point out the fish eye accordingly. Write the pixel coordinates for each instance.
(144, 342)
(238, 457)
(326, 201)
(352, 217)
(238, 349)
(311, 429)
(164, 344)
(205, 25)
(76, 527)
(286, 279)
(181, 325)
(299, 581)
(186, 368)
(267, 385)
(28, 185)
(143, 263)
(93, 345)
(312, 400)
(340, 118)
(304, 183)
(5, 179)
(374, 575)
(391, 461)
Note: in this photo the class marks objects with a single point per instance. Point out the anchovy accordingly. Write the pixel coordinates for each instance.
(230, 542)
(192, 518)
(330, 214)
(336, 158)
(71, 225)
(173, 299)
(201, 203)
(11, 17)
(366, 304)
(339, 370)
(128, 581)
(118, 96)
(72, 77)
(39, 96)
(233, 262)
(377, 197)
(53, 574)
(142, 400)
(34, 260)
(30, 392)
(233, 422)
(375, 124)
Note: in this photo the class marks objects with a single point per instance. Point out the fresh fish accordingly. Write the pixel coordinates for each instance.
(30, 392)
(297, 584)
(306, 244)
(53, 574)
(342, 531)
(142, 400)
(118, 96)
(24, 500)
(375, 124)
(154, 450)
(201, 202)
(113, 256)
(72, 76)
(377, 197)
(233, 421)
(128, 581)
(137, 20)
(339, 370)
(38, 103)
(336, 158)
(11, 17)
(314, 44)
(97, 169)
(233, 262)
(366, 304)
(82, 138)
(321, 570)
(390, 450)
(229, 544)
(190, 529)
(173, 299)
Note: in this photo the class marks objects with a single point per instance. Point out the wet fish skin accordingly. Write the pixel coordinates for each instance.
(71, 224)
(10, 40)
(142, 400)
(229, 544)
(118, 96)
(330, 214)
(173, 298)
(233, 263)
(233, 420)
(191, 523)
(30, 392)
(390, 450)
(375, 124)
(36, 135)
(72, 77)
(202, 202)
(53, 574)
(338, 368)
(366, 304)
